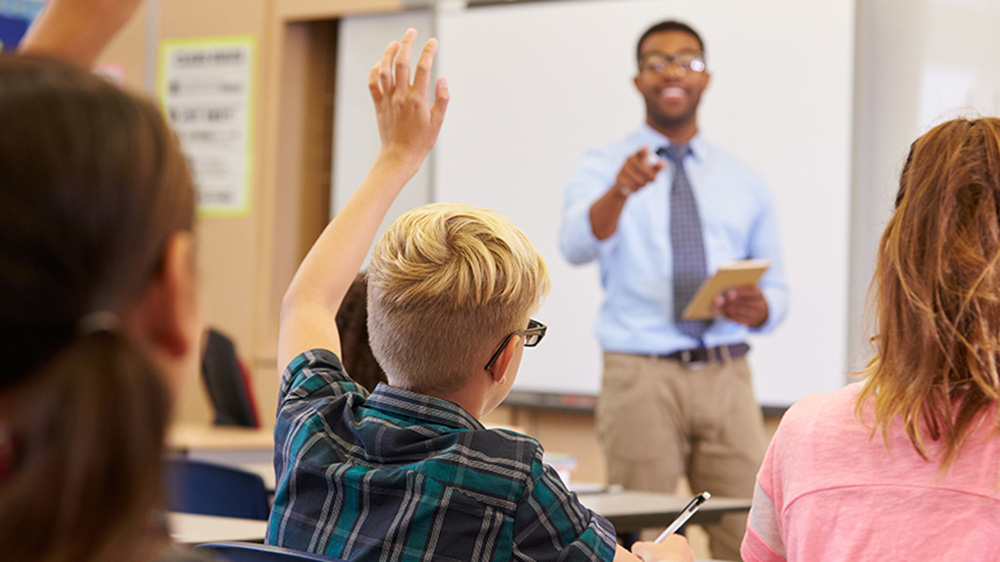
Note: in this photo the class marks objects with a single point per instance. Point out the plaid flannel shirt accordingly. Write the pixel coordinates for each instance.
(403, 476)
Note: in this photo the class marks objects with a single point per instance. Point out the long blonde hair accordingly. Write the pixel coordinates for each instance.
(937, 291)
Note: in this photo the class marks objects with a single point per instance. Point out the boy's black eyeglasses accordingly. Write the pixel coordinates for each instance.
(532, 335)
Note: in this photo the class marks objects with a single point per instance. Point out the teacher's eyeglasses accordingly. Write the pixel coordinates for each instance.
(686, 61)
(532, 335)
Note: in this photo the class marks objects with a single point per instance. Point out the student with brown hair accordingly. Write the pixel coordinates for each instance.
(905, 465)
(352, 323)
(99, 320)
(98, 314)
(408, 472)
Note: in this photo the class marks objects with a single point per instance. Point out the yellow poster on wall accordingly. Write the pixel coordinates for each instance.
(206, 86)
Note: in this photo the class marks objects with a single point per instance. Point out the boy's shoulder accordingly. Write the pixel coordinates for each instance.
(393, 427)
(316, 370)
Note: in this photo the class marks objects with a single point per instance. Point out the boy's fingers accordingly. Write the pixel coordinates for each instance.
(373, 83)
(422, 77)
(385, 67)
(403, 61)
(441, 98)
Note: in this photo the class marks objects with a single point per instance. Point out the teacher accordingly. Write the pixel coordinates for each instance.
(660, 211)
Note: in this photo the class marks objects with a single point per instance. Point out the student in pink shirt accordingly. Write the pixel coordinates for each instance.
(905, 465)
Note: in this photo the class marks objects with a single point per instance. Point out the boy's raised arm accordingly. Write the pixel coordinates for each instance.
(408, 126)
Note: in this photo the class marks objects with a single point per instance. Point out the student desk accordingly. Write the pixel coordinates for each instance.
(227, 445)
(628, 511)
(190, 529)
(631, 511)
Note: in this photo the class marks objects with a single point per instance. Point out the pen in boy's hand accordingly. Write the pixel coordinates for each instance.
(686, 514)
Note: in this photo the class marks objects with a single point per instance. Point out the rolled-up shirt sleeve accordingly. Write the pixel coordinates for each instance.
(592, 177)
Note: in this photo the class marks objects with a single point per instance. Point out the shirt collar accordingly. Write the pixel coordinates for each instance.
(422, 407)
(655, 140)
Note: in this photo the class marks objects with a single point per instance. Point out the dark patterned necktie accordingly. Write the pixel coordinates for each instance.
(685, 239)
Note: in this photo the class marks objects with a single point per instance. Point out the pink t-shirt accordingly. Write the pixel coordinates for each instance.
(827, 491)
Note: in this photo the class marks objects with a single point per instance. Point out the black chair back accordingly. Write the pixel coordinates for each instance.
(227, 382)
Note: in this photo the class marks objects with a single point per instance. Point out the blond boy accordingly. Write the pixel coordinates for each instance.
(409, 472)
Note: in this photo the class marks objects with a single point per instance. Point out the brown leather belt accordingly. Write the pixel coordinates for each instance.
(702, 355)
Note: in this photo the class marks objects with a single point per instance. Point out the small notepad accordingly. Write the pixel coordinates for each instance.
(728, 276)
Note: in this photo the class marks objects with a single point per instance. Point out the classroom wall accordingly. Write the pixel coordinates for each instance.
(127, 50)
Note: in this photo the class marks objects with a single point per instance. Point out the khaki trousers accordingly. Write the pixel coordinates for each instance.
(657, 420)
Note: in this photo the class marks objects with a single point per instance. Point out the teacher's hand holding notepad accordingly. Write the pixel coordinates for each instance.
(732, 292)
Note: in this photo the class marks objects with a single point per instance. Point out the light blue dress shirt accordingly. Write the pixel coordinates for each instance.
(737, 219)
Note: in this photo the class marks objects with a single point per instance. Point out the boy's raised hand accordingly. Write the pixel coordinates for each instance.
(409, 127)
(407, 124)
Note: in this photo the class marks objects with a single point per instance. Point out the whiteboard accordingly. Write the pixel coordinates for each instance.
(535, 85)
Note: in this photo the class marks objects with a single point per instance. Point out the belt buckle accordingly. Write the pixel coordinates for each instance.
(689, 364)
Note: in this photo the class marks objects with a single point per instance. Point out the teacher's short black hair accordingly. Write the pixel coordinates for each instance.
(669, 25)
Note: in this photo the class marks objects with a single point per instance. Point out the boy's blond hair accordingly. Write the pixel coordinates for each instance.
(446, 284)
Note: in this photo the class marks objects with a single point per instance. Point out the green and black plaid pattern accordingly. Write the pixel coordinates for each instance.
(403, 476)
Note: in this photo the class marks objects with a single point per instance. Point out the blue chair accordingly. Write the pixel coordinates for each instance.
(211, 489)
(251, 552)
